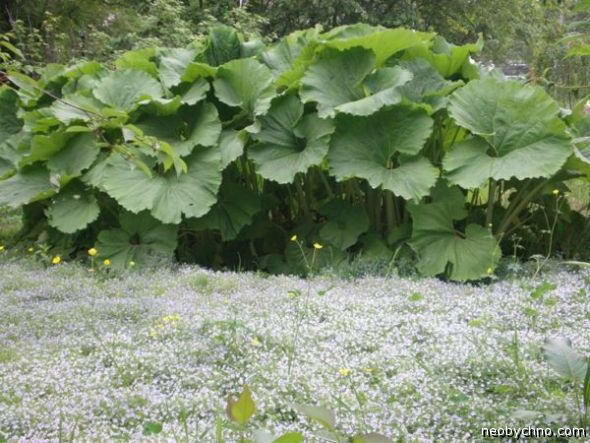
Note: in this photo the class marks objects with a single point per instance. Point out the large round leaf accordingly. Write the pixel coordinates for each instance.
(517, 133)
(245, 83)
(28, 185)
(43, 147)
(286, 58)
(427, 87)
(123, 90)
(73, 209)
(471, 255)
(190, 127)
(235, 209)
(78, 154)
(9, 122)
(168, 196)
(173, 64)
(345, 224)
(369, 148)
(288, 141)
(384, 43)
(448, 59)
(231, 145)
(341, 81)
(223, 45)
(140, 238)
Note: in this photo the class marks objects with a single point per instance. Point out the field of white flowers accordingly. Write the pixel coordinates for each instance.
(154, 354)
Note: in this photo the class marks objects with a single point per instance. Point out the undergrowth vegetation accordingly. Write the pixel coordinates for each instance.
(385, 143)
(158, 354)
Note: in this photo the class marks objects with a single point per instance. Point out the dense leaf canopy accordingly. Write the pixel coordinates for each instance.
(221, 151)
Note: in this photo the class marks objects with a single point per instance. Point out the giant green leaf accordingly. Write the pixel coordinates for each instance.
(139, 239)
(516, 130)
(470, 255)
(223, 45)
(139, 59)
(123, 90)
(369, 148)
(167, 196)
(6, 168)
(339, 81)
(76, 108)
(191, 127)
(78, 154)
(245, 83)
(9, 122)
(289, 58)
(43, 147)
(288, 141)
(345, 223)
(173, 64)
(231, 145)
(234, 210)
(196, 92)
(384, 43)
(72, 209)
(28, 185)
(447, 58)
(427, 86)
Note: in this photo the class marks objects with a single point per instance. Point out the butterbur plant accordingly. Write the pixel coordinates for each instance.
(214, 153)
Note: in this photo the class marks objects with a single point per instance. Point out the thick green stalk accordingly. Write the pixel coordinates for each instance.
(491, 201)
(518, 207)
(390, 210)
(302, 199)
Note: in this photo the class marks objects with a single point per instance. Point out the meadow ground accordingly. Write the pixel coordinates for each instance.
(91, 356)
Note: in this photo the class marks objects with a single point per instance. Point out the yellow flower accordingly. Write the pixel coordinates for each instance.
(56, 260)
(317, 246)
(255, 342)
(106, 262)
(294, 238)
(92, 252)
(131, 264)
(556, 192)
(1, 248)
(30, 249)
(490, 270)
(344, 372)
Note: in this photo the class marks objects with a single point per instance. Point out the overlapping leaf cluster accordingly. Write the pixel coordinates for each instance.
(361, 138)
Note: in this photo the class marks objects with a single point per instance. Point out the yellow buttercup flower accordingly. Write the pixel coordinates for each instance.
(106, 262)
(556, 192)
(1, 248)
(294, 238)
(344, 372)
(30, 249)
(131, 264)
(490, 270)
(92, 252)
(56, 260)
(317, 246)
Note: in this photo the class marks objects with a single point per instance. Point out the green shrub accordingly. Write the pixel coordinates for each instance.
(363, 139)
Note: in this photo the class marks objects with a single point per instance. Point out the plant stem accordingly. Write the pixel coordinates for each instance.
(389, 210)
(511, 215)
(325, 182)
(302, 199)
(491, 201)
